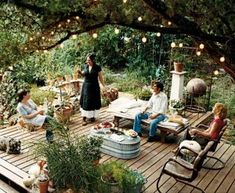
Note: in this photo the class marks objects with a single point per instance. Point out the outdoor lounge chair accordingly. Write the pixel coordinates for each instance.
(213, 148)
(183, 171)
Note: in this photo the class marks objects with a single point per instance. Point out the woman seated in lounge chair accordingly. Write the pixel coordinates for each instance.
(31, 114)
(211, 132)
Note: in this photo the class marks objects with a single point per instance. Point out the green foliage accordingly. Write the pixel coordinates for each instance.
(9, 86)
(39, 95)
(68, 165)
(143, 93)
(117, 172)
(90, 147)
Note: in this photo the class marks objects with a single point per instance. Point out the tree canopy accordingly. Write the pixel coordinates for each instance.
(46, 24)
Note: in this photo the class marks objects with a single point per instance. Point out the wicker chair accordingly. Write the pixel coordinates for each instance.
(183, 171)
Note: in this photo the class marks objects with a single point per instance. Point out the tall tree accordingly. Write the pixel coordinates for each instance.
(210, 22)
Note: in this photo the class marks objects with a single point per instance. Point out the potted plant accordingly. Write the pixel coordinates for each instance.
(68, 167)
(176, 106)
(90, 148)
(116, 177)
(43, 183)
(178, 58)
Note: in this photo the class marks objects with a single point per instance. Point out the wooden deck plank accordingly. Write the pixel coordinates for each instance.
(5, 188)
(150, 161)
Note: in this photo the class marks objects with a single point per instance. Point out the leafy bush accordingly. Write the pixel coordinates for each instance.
(68, 165)
(38, 95)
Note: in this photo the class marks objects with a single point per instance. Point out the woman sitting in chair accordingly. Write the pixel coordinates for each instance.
(30, 112)
(211, 132)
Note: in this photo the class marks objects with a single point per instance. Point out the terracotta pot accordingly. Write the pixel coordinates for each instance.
(63, 114)
(43, 186)
(178, 66)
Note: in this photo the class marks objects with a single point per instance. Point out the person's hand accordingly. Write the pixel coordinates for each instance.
(152, 116)
(104, 89)
(193, 132)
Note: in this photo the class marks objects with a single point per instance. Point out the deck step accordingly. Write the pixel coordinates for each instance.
(5, 188)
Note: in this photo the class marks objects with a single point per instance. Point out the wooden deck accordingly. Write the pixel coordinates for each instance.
(150, 161)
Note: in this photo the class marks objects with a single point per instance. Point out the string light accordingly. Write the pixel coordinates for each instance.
(116, 31)
(180, 45)
(68, 20)
(77, 18)
(37, 51)
(124, 1)
(216, 72)
(45, 51)
(59, 25)
(61, 45)
(74, 36)
(140, 19)
(144, 39)
(169, 23)
(52, 33)
(43, 37)
(30, 39)
(94, 35)
(173, 44)
(222, 59)
(198, 53)
(25, 48)
(201, 46)
(158, 34)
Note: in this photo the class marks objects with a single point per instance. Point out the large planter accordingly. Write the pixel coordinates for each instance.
(111, 187)
(178, 66)
(63, 113)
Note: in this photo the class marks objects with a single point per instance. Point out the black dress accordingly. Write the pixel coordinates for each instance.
(90, 96)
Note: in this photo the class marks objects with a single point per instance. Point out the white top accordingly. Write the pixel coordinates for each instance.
(23, 109)
(158, 103)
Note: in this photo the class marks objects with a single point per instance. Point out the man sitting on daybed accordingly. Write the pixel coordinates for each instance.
(157, 106)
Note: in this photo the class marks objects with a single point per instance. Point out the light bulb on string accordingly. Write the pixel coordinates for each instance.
(173, 44)
(124, 1)
(59, 25)
(158, 34)
(52, 33)
(68, 20)
(77, 17)
(43, 37)
(216, 72)
(169, 23)
(201, 46)
(222, 59)
(61, 45)
(45, 51)
(198, 53)
(116, 31)
(180, 45)
(37, 51)
(30, 39)
(94, 35)
(140, 18)
(144, 39)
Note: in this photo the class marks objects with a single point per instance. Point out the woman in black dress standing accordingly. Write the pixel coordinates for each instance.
(90, 100)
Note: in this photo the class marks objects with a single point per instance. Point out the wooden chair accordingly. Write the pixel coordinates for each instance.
(183, 171)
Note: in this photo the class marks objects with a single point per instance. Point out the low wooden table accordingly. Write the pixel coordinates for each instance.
(128, 108)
